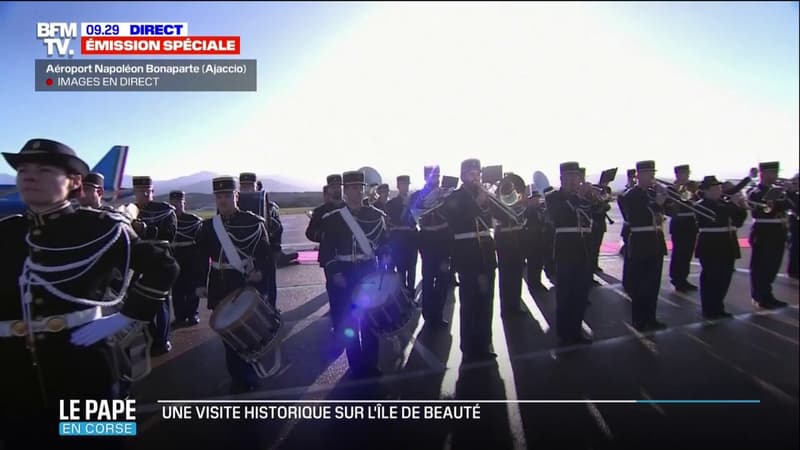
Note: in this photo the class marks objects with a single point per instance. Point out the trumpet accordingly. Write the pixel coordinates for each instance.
(773, 194)
(766, 208)
(600, 193)
(737, 199)
(435, 198)
(431, 202)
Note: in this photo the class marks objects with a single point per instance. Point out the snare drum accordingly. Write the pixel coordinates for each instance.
(381, 299)
(247, 322)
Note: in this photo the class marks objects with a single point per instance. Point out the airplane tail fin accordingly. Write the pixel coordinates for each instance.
(112, 166)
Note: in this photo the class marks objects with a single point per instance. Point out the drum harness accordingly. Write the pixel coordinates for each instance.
(234, 258)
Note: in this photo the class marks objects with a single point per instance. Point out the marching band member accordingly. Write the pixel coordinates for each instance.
(588, 203)
(793, 196)
(509, 236)
(538, 249)
(270, 212)
(549, 242)
(683, 229)
(469, 217)
(625, 231)
(92, 191)
(160, 226)
(434, 249)
(383, 197)
(626, 227)
(332, 193)
(767, 238)
(61, 266)
(644, 256)
(718, 245)
(599, 227)
(403, 235)
(185, 301)
(355, 236)
(274, 228)
(572, 223)
(236, 241)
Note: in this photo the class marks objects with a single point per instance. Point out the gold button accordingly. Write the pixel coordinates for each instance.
(38, 301)
(19, 328)
(56, 324)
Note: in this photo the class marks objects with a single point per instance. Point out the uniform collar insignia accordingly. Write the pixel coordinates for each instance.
(51, 214)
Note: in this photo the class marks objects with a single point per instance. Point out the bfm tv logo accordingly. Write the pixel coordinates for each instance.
(57, 36)
(97, 418)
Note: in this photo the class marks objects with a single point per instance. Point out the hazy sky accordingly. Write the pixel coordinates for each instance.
(398, 86)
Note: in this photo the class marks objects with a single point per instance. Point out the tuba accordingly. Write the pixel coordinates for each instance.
(504, 192)
(372, 179)
(511, 190)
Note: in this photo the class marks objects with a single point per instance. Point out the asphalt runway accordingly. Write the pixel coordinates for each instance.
(727, 384)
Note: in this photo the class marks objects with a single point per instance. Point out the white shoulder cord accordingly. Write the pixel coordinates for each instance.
(579, 212)
(181, 231)
(30, 275)
(249, 239)
(154, 218)
(246, 242)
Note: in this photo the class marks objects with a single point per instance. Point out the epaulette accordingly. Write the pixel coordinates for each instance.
(159, 206)
(334, 211)
(13, 216)
(116, 216)
(195, 216)
(248, 213)
(377, 210)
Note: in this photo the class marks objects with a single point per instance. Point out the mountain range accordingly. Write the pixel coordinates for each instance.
(200, 183)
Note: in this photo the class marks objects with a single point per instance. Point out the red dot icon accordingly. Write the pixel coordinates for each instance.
(49, 81)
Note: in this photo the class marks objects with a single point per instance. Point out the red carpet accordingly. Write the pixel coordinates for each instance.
(613, 247)
(307, 257)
